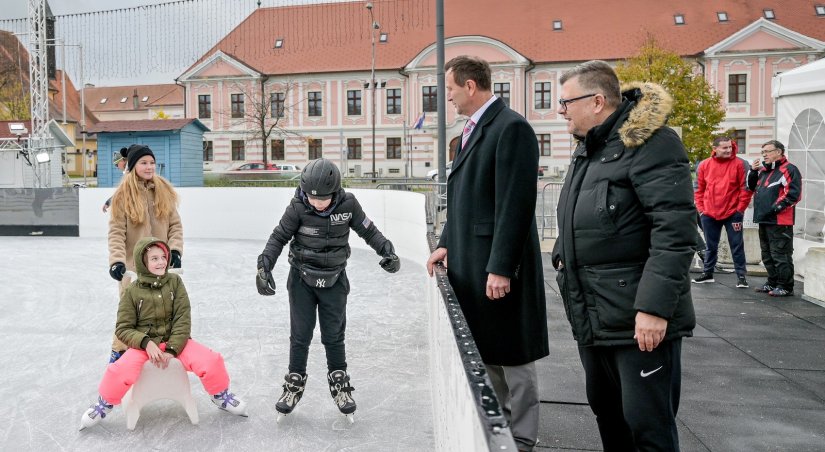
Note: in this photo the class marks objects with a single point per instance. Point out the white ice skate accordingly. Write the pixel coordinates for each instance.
(228, 402)
(340, 390)
(293, 391)
(95, 413)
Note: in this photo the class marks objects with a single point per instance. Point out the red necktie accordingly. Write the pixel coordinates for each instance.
(468, 129)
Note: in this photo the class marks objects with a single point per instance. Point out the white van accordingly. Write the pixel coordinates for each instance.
(289, 167)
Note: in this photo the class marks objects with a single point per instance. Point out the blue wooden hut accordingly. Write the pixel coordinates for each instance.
(176, 143)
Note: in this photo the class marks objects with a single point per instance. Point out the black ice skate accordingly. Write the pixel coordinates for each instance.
(293, 390)
(340, 389)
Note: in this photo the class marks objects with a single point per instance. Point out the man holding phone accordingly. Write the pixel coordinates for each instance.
(777, 186)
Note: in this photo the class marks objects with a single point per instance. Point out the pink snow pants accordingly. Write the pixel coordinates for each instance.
(196, 358)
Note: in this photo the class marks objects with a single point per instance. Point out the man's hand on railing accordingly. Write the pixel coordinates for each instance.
(438, 256)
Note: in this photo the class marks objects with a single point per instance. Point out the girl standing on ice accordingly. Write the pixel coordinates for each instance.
(144, 205)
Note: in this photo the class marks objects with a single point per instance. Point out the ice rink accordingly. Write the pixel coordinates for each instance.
(57, 312)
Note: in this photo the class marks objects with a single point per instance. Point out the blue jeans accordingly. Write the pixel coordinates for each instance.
(713, 230)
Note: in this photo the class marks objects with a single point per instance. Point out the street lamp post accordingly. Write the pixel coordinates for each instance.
(373, 27)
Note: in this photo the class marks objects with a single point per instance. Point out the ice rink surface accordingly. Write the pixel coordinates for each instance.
(57, 312)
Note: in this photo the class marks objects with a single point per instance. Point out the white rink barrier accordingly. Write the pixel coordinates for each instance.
(466, 414)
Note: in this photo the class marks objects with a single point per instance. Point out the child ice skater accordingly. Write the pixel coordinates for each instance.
(153, 319)
(316, 225)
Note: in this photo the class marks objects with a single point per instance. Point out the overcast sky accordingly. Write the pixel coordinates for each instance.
(15, 9)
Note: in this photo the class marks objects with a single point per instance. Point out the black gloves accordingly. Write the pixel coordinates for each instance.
(390, 261)
(175, 262)
(263, 279)
(117, 270)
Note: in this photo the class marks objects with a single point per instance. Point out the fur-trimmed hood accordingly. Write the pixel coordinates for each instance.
(653, 105)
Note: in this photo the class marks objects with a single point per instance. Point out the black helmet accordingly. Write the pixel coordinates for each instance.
(320, 179)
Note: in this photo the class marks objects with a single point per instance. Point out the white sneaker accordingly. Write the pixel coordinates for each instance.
(95, 413)
(228, 402)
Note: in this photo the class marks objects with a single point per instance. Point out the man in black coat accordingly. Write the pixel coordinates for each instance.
(626, 240)
(495, 260)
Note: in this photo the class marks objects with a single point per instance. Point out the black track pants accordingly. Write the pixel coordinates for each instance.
(331, 304)
(635, 395)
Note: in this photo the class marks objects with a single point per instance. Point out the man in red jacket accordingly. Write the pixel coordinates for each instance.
(722, 196)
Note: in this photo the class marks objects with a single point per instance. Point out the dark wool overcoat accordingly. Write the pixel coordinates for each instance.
(491, 228)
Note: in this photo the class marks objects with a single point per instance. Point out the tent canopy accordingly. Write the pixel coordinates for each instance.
(808, 78)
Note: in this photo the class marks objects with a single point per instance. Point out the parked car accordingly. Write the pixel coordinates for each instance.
(288, 167)
(433, 174)
(256, 166)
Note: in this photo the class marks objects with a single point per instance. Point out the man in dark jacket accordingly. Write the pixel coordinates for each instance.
(778, 187)
(625, 245)
(495, 260)
(722, 196)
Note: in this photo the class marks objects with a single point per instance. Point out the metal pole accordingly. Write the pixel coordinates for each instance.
(83, 114)
(63, 77)
(441, 91)
(373, 26)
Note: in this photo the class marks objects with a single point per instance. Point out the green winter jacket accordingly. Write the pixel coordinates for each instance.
(154, 307)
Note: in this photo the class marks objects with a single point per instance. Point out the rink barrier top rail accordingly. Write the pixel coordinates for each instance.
(497, 429)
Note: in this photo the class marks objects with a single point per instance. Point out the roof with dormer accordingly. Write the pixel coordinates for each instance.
(334, 37)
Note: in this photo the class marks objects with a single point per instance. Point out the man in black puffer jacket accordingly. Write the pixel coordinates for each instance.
(316, 225)
(626, 241)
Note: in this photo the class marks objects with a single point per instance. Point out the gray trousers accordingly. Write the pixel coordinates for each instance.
(518, 394)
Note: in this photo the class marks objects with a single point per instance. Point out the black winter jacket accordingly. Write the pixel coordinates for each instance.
(627, 225)
(320, 240)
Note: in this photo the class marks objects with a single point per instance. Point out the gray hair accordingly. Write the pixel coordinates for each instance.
(599, 77)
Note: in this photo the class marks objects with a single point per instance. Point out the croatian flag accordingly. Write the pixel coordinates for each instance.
(419, 123)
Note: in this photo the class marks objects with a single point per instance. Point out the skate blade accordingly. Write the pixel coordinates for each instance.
(350, 417)
(280, 417)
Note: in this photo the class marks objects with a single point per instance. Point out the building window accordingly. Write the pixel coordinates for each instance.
(353, 149)
(237, 105)
(383, 37)
(393, 148)
(314, 103)
(208, 156)
(557, 25)
(394, 101)
(315, 148)
(276, 104)
(354, 102)
(276, 150)
(279, 43)
(820, 10)
(542, 95)
(238, 151)
(204, 106)
(722, 16)
(737, 88)
(502, 90)
(679, 19)
(769, 14)
(429, 98)
(741, 138)
(544, 144)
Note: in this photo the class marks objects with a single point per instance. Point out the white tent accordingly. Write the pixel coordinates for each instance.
(800, 124)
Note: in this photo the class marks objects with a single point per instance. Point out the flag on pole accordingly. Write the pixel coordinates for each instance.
(419, 123)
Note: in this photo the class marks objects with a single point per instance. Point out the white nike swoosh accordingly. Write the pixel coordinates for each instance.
(645, 374)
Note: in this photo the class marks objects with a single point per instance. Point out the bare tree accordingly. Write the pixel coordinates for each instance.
(265, 112)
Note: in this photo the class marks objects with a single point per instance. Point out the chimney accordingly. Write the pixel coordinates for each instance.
(135, 100)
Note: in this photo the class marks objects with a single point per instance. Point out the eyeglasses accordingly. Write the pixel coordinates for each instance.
(564, 102)
(765, 153)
